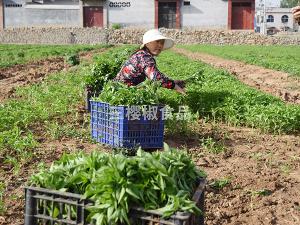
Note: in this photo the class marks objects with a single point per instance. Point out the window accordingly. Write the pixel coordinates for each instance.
(270, 19)
(284, 19)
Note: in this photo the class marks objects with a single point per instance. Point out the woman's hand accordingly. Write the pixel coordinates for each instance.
(179, 89)
(180, 83)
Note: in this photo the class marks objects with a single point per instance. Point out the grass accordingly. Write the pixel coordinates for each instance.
(281, 58)
(215, 95)
(11, 54)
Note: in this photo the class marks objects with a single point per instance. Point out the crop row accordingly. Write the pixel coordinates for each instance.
(281, 58)
(215, 94)
(20, 54)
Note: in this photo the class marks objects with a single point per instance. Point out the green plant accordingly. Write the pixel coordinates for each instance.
(163, 181)
(278, 57)
(105, 68)
(48, 107)
(220, 183)
(117, 93)
(212, 146)
(21, 54)
(217, 96)
(14, 163)
(262, 192)
(285, 169)
(72, 59)
(11, 54)
(116, 26)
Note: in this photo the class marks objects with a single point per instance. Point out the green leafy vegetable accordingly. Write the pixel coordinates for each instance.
(162, 180)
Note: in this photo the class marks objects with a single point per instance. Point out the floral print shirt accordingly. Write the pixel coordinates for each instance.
(142, 65)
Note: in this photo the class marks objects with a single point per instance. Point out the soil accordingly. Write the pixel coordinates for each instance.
(273, 82)
(33, 72)
(262, 171)
(20, 75)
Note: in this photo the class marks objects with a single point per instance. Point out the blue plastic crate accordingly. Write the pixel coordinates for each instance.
(111, 125)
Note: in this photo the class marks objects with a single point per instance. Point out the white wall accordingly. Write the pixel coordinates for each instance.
(39, 15)
(277, 20)
(138, 13)
(205, 14)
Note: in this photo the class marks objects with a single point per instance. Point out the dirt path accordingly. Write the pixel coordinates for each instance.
(273, 82)
(33, 72)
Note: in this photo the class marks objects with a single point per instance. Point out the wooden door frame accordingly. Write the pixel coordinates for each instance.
(178, 14)
(229, 22)
(1, 14)
(84, 7)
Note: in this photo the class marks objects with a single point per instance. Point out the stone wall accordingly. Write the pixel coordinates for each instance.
(53, 36)
(134, 36)
(191, 36)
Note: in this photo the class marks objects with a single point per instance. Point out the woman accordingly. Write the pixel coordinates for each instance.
(142, 65)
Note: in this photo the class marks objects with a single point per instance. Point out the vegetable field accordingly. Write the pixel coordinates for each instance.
(282, 58)
(244, 140)
(19, 54)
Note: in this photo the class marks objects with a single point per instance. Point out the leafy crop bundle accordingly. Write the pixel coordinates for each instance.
(163, 181)
(105, 68)
(117, 93)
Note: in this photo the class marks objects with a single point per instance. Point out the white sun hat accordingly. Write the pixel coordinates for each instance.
(154, 35)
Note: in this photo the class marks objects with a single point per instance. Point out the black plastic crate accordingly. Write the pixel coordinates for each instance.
(71, 209)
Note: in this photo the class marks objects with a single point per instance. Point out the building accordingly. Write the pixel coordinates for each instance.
(277, 19)
(212, 14)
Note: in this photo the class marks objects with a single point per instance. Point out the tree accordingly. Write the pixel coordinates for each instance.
(289, 3)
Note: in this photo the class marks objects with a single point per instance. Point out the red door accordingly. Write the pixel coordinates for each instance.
(242, 18)
(93, 16)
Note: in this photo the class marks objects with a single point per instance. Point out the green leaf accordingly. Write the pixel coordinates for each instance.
(123, 191)
(132, 193)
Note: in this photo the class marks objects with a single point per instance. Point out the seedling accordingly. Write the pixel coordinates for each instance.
(221, 183)
(212, 146)
(285, 169)
(262, 192)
